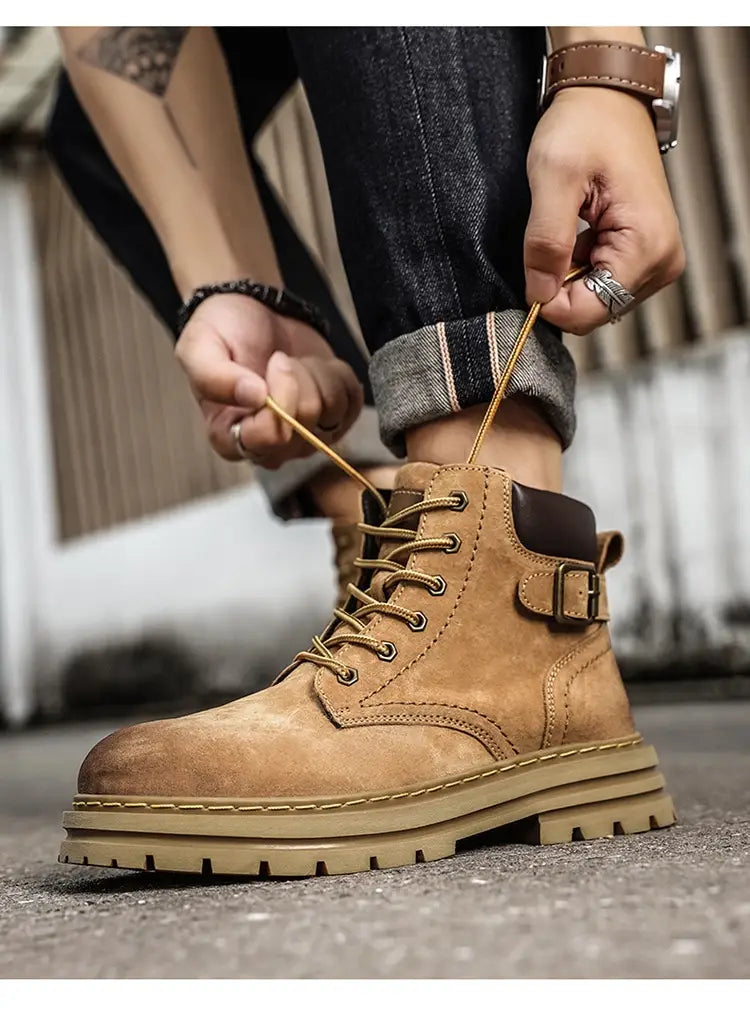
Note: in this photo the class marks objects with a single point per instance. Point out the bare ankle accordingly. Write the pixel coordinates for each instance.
(520, 440)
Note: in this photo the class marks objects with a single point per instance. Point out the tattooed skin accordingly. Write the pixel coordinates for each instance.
(143, 56)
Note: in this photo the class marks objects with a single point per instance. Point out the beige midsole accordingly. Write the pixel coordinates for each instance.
(550, 780)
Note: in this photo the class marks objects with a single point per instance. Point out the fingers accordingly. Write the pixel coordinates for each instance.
(556, 197)
(313, 390)
(341, 396)
(219, 420)
(214, 375)
(264, 431)
(593, 154)
(642, 262)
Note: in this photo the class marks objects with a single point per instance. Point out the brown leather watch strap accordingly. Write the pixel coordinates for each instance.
(616, 65)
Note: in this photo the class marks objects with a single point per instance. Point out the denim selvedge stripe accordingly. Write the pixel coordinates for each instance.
(418, 377)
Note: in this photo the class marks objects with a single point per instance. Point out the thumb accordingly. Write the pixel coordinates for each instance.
(550, 234)
(215, 376)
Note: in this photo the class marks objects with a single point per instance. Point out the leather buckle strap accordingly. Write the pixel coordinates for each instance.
(558, 596)
(572, 594)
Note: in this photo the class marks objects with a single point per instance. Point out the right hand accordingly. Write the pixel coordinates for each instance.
(236, 351)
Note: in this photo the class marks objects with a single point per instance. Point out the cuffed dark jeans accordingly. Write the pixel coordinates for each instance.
(424, 133)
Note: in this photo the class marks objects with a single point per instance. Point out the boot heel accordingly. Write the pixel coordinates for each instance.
(633, 814)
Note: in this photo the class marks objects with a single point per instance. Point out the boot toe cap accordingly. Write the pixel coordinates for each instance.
(134, 760)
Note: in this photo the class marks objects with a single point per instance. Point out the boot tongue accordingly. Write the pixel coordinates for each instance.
(411, 483)
(415, 475)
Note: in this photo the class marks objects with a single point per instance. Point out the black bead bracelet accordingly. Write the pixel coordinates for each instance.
(280, 300)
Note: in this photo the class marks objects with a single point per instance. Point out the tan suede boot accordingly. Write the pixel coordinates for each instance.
(470, 686)
(347, 543)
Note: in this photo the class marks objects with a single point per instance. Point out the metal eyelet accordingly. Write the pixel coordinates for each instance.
(387, 651)
(420, 624)
(455, 543)
(349, 678)
(439, 587)
(461, 498)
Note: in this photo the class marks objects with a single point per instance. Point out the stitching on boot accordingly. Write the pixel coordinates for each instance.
(457, 601)
(550, 575)
(549, 684)
(439, 720)
(192, 806)
(569, 683)
(527, 555)
(347, 714)
(374, 621)
(444, 718)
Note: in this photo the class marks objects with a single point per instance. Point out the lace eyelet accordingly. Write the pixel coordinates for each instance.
(349, 678)
(455, 543)
(439, 587)
(461, 499)
(387, 651)
(420, 624)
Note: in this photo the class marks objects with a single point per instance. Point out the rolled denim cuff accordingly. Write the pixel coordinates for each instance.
(438, 370)
(286, 487)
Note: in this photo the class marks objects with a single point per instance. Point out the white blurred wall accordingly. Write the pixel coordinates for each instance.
(219, 573)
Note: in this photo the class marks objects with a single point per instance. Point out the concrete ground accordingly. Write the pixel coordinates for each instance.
(672, 903)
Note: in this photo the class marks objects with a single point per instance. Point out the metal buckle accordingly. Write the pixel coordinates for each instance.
(541, 83)
(558, 595)
(666, 110)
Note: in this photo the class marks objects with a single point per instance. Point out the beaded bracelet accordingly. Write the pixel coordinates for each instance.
(280, 300)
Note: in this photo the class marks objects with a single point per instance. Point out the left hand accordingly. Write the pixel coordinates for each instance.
(594, 154)
(236, 351)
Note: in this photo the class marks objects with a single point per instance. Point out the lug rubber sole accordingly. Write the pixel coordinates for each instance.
(571, 793)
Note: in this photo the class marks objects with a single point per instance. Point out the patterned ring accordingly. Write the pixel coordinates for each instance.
(609, 291)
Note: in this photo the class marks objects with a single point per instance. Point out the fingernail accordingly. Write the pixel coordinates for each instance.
(541, 287)
(283, 362)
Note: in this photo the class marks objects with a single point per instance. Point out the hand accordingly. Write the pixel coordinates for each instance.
(235, 351)
(594, 154)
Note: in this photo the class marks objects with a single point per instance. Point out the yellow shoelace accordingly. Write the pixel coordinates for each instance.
(388, 532)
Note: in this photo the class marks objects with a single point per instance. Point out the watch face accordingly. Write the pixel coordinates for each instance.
(666, 109)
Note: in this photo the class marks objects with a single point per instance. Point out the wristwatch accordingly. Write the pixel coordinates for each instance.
(652, 75)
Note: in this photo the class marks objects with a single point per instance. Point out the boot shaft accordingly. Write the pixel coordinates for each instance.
(512, 645)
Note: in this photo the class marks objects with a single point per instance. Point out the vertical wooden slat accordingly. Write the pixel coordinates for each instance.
(618, 344)
(663, 320)
(695, 186)
(129, 438)
(725, 57)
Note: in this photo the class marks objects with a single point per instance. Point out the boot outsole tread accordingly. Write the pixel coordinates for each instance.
(618, 792)
(550, 829)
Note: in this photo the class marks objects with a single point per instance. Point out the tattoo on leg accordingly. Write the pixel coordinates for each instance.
(146, 57)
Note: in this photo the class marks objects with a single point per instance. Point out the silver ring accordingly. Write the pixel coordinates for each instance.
(244, 452)
(609, 291)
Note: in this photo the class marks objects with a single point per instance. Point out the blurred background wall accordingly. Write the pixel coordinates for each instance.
(121, 531)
